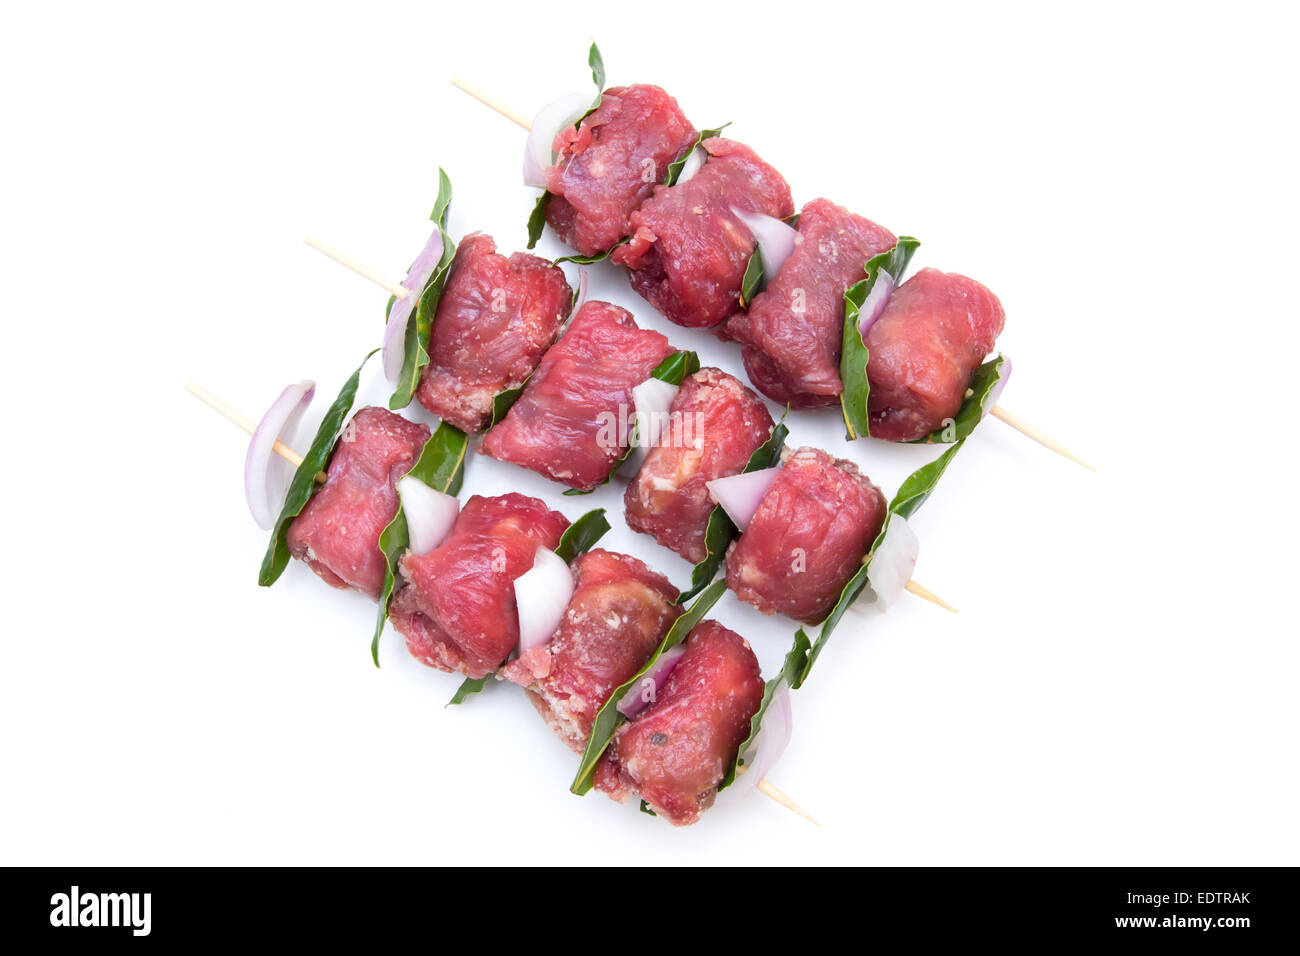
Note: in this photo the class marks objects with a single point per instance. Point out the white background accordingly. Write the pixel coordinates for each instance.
(1119, 687)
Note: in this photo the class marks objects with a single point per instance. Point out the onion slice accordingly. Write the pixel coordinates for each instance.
(874, 304)
(422, 269)
(581, 300)
(266, 474)
(776, 240)
(429, 513)
(891, 566)
(694, 163)
(650, 402)
(539, 150)
(542, 594)
(644, 691)
(740, 495)
(765, 749)
(996, 392)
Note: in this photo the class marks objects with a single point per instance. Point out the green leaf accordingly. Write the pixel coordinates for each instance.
(304, 478)
(751, 284)
(791, 668)
(469, 687)
(918, 486)
(580, 536)
(442, 204)
(854, 357)
(608, 717)
(597, 64)
(677, 165)
(419, 326)
(537, 220)
(598, 257)
(645, 808)
(720, 530)
(912, 493)
(672, 370)
(441, 466)
(979, 398)
(676, 367)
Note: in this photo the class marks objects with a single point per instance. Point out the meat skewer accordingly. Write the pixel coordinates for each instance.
(997, 411)
(764, 786)
(637, 510)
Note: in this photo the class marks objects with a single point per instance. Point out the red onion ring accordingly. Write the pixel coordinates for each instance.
(874, 304)
(776, 239)
(542, 595)
(643, 692)
(424, 266)
(765, 749)
(266, 474)
(740, 495)
(429, 513)
(539, 150)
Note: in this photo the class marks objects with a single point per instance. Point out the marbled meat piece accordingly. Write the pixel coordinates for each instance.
(611, 162)
(715, 424)
(934, 332)
(457, 609)
(792, 335)
(567, 423)
(807, 538)
(689, 250)
(619, 612)
(674, 754)
(337, 533)
(496, 317)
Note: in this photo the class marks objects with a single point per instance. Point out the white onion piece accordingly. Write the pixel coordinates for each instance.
(539, 152)
(765, 749)
(996, 393)
(266, 474)
(740, 495)
(776, 239)
(424, 266)
(429, 513)
(650, 402)
(644, 691)
(581, 300)
(874, 304)
(891, 566)
(694, 163)
(542, 594)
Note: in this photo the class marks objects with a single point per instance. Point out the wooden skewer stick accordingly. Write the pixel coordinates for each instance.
(929, 595)
(291, 456)
(1018, 424)
(1030, 431)
(225, 411)
(393, 288)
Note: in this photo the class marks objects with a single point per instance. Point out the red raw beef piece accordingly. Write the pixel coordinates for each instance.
(457, 610)
(688, 250)
(619, 612)
(935, 331)
(674, 754)
(608, 165)
(495, 319)
(807, 538)
(715, 425)
(561, 425)
(794, 329)
(337, 534)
